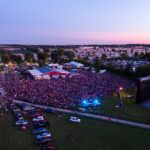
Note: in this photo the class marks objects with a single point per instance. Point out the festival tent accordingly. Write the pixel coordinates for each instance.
(58, 72)
(102, 71)
(46, 77)
(54, 66)
(36, 74)
(74, 64)
(44, 72)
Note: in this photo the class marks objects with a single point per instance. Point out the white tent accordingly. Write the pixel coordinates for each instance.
(53, 65)
(35, 73)
(62, 71)
(46, 77)
(55, 76)
(75, 64)
(102, 71)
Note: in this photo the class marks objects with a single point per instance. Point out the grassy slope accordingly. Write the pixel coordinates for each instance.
(97, 135)
(89, 135)
(130, 111)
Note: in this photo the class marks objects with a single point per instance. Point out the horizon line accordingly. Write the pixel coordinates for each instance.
(21, 44)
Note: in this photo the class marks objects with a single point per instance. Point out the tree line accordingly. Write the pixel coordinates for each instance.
(58, 55)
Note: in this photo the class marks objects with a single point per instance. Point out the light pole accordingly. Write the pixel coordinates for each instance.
(120, 96)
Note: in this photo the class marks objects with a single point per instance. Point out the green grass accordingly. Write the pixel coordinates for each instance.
(130, 111)
(97, 135)
(90, 134)
(11, 138)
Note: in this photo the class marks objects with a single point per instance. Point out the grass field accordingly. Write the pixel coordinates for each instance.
(90, 134)
(130, 111)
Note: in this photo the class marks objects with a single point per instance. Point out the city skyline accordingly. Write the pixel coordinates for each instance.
(74, 22)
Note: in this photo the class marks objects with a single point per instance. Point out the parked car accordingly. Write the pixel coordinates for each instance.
(39, 130)
(75, 119)
(47, 146)
(34, 114)
(18, 116)
(28, 108)
(40, 124)
(16, 110)
(21, 122)
(39, 118)
(48, 110)
(43, 140)
(43, 135)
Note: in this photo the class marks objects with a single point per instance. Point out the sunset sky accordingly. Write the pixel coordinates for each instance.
(74, 21)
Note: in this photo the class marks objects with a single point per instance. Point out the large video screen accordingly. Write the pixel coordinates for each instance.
(143, 89)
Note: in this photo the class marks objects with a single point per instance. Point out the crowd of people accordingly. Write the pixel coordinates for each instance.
(63, 92)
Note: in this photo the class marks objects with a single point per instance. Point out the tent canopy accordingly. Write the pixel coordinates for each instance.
(76, 64)
(35, 72)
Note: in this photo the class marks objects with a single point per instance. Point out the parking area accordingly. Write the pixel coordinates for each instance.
(27, 118)
(88, 134)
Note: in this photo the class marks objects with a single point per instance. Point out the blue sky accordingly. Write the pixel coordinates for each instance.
(74, 21)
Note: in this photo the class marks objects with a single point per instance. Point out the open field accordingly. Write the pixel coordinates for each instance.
(88, 135)
(130, 111)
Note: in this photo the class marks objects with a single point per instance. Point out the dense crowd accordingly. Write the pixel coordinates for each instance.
(63, 92)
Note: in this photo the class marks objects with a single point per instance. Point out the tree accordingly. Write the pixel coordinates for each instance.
(70, 54)
(55, 56)
(147, 56)
(84, 61)
(5, 58)
(60, 52)
(43, 56)
(17, 59)
(29, 57)
(41, 63)
(47, 50)
(136, 54)
(124, 55)
(128, 69)
(104, 56)
(141, 55)
(1, 51)
(97, 62)
(46, 55)
(143, 70)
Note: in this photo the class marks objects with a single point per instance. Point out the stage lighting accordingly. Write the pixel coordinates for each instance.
(96, 102)
(84, 102)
